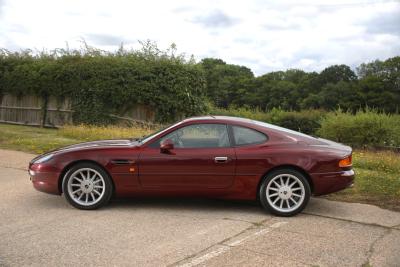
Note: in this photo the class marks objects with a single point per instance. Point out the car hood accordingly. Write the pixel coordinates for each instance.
(95, 145)
(100, 144)
(92, 145)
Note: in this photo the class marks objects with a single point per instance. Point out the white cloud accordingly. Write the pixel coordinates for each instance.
(263, 35)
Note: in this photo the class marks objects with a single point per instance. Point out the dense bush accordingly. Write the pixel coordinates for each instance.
(101, 83)
(305, 121)
(365, 128)
(243, 112)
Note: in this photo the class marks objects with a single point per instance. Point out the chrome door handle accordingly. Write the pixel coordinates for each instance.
(220, 159)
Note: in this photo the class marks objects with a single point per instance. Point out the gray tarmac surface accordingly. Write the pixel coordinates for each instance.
(37, 229)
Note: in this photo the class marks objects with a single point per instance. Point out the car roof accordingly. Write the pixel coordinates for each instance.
(223, 118)
(252, 123)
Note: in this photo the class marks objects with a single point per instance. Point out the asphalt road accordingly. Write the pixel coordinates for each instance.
(37, 229)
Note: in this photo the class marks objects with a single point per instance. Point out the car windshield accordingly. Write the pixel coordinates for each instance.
(146, 138)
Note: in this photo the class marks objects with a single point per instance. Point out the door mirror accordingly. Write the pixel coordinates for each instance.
(166, 145)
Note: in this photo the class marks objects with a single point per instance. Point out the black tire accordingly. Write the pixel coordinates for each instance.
(103, 184)
(301, 193)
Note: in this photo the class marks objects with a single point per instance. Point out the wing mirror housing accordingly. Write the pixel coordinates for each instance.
(166, 145)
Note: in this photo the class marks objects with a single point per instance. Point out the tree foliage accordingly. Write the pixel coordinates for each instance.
(225, 82)
(377, 85)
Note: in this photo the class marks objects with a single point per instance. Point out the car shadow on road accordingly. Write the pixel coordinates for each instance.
(165, 204)
(180, 204)
(186, 204)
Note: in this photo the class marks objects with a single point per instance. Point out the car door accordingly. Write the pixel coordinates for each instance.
(202, 157)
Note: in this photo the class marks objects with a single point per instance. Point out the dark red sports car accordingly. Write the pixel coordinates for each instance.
(212, 156)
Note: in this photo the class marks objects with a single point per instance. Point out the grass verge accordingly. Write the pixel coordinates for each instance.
(377, 180)
(377, 173)
(39, 140)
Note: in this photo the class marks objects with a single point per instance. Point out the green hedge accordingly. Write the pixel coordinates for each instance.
(305, 121)
(364, 129)
(101, 83)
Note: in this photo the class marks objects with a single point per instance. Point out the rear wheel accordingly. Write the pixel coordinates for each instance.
(284, 192)
(87, 186)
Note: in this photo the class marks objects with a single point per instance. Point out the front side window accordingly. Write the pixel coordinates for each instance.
(199, 136)
(247, 136)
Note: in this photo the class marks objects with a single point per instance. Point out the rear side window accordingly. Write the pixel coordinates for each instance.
(247, 136)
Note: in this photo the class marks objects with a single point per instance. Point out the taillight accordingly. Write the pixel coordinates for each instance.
(346, 162)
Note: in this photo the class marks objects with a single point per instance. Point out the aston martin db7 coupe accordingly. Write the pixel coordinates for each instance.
(210, 156)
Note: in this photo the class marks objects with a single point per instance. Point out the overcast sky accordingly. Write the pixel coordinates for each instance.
(261, 34)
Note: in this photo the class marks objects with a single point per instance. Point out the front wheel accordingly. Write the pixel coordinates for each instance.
(284, 192)
(87, 186)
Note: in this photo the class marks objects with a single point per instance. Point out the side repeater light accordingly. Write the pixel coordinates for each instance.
(346, 162)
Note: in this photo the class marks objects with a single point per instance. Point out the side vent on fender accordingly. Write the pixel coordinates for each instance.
(122, 161)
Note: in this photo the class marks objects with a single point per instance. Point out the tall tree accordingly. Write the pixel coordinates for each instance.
(337, 73)
(225, 82)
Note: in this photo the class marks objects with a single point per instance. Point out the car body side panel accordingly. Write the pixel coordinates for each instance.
(119, 162)
(45, 178)
(325, 183)
(187, 168)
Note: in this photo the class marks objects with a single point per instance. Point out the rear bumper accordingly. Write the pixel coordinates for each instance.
(326, 183)
(44, 181)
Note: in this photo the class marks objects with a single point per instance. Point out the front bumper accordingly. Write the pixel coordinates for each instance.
(326, 183)
(44, 178)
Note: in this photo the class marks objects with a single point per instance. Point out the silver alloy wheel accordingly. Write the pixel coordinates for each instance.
(285, 192)
(86, 186)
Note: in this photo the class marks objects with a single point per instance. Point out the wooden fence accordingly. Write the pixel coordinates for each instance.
(52, 112)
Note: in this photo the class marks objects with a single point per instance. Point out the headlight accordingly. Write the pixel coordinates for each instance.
(44, 159)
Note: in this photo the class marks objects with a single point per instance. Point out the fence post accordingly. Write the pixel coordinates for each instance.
(44, 110)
